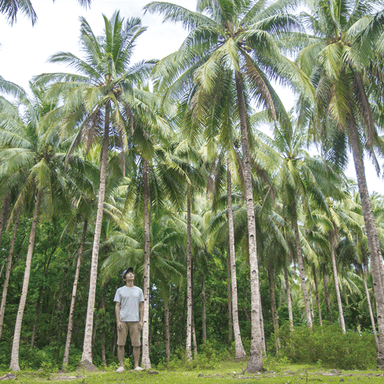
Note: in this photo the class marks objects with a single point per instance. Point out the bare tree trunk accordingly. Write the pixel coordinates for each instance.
(86, 358)
(4, 213)
(289, 300)
(8, 270)
(255, 362)
(37, 309)
(14, 365)
(373, 239)
(317, 295)
(145, 360)
(229, 297)
(326, 294)
(189, 278)
(194, 336)
(332, 243)
(204, 310)
(239, 348)
(301, 266)
(73, 299)
(273, 305)
(167, 333)
(369, 306)
(310, 300)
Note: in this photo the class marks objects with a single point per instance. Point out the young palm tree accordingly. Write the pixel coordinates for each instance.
(99, 98)
(339, 53)
(299, 179)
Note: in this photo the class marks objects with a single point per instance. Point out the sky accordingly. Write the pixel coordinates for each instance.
(24, 49)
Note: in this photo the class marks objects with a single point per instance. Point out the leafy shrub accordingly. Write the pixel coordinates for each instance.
(329, 345)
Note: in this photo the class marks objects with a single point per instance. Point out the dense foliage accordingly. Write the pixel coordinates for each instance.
(243, 241)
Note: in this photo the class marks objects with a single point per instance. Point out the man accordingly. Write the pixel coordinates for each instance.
(129, 311)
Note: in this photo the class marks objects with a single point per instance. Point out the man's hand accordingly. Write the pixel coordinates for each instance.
(119, 325)
(141, 324)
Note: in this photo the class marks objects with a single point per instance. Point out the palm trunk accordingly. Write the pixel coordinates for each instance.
(301, 266)
(273, 305)
(37, 309)
(310, 300)
(255, 362)
(14, 365)
(4, 214)
(194, 337)
(373, 240)
(167, 333)
(239, 349)
(229, 297)
(326, 294)
(332, 243)
(145, 360)
(8, 270)
(289, 299)
(87, 344)
(204, 311)
(73, 299)
(370, 306)
(189, 278)
(317, 296)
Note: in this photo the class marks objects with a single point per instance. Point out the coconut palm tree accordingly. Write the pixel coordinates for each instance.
(238, 37)
(10, 8)
(337, 58)
(99, 99)
(300, 179)
(31, 158)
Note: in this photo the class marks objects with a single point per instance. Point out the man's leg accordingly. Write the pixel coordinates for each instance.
(120, 354)
(136, 356)
(121, 339)
(135, 339)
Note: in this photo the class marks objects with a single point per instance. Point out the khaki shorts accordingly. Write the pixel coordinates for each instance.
(134, 332)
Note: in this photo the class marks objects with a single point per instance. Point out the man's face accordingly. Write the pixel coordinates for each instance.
(129, 276)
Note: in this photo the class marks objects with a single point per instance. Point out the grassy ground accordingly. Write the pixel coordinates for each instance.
(224, 372)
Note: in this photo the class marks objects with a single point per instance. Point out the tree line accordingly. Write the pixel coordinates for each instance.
(165, 165)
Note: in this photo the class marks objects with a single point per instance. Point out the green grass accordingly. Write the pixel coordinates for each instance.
(224, 372)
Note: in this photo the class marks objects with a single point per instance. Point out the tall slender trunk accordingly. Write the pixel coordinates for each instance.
(369, 306)
(301, 266)
(255, 362)
(167, 333)
(239, 348)
(4, 213)
(273, 305)
(37, 309)
(326, 294)
(145, 360)
(317, 295)
(289, 299)
(189, 278)
(332, 243)
(310, 300)
(8, 269)
(204, 310)
(229, 297)
(73, 298)
(87, 344)
(373, 240)
(14, 365)
(194, 336)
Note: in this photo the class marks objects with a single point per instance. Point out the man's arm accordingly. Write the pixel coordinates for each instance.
(117, 312)
(141, 315)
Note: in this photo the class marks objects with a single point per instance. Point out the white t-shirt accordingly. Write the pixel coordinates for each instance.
(129, 299)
